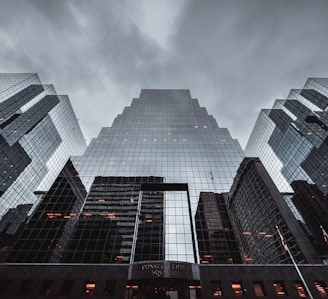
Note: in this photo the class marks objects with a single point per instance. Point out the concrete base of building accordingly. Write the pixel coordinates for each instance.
(160, 279)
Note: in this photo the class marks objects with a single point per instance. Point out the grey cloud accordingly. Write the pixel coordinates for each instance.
(235, 56)
(238, 56)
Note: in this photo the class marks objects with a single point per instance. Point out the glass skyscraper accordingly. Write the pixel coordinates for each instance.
(163, 134)
(38, 133)
(291, 141)
(291, 138)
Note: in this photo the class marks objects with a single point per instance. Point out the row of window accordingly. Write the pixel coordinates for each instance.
(47, 286)
(278, 286)
(108, 289)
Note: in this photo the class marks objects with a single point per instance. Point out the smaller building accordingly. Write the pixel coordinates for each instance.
(312, 205)
(48, 230)
(11, 225)
(217, 243)
(256, 208)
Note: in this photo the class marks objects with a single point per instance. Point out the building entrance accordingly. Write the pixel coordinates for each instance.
(162, 292)
(164, 288)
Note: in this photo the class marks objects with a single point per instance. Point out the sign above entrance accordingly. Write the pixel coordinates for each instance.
(162, 270)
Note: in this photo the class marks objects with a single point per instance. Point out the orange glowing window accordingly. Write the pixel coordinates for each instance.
(321, 288)
(280, 288)
(258, 288)
(237, 288)
(216, 289)
(89, 287)
(300, 289)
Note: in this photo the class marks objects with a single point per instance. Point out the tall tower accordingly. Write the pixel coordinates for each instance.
(163, 134)
(38, 133)
(291, 138)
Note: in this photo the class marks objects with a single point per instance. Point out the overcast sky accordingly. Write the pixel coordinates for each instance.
(235, 56)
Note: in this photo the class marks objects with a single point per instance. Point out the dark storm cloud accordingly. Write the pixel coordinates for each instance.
(235, 56)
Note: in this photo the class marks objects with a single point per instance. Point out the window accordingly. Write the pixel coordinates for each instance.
(258, 288)
(216, 289)
(280, 288)
(24, 287)
(300, 289)
(110, 288)
(322, 288)
(237, 288)
(45, 288)
(67, 287)
(89, 287)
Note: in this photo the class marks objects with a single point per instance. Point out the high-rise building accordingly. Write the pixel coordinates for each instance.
(38, 133)
(291, 138)
(291, 141)
(167, 136)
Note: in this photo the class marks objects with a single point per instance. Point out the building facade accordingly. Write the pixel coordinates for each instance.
(38, 133)
(164, 135)
(50, 227)
(217, 243)
(256, 208)
(291, 141)
(174, 280)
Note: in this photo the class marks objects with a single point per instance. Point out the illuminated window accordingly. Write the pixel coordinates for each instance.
(322, 288)
(216, 289)
(237, 288)
(280, 288)
(300, 289)
(196, 127)
(258, 288)
(89, 287)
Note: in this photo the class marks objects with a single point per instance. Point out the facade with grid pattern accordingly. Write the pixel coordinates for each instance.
(38, 133)
(257, 207)
(291, 140)
(164, 133)
(217, 243)
(49, 229)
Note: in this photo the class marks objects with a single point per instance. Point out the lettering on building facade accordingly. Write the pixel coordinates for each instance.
(164, 269)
